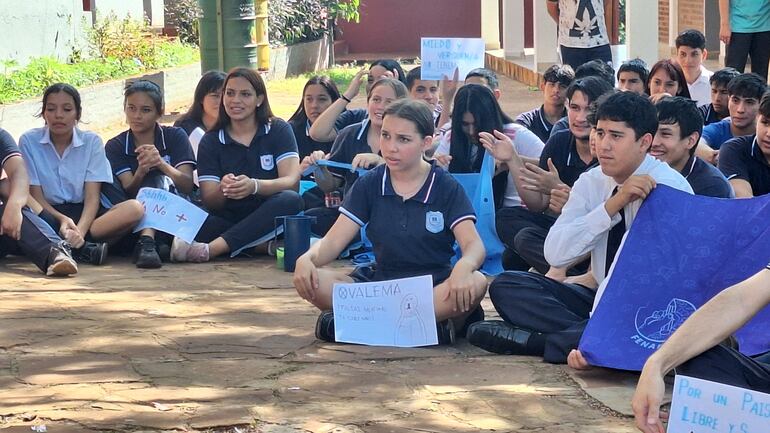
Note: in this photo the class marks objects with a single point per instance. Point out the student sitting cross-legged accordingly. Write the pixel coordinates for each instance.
(248, 170)
(545, 317)
(415, 211)
(150, 155)
(67, 168)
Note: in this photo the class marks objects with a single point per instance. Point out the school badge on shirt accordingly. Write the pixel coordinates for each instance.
(434, 221)
(267, 162)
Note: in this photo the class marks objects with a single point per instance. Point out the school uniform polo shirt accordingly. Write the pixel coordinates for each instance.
(63, 178)
(537, 122)
(561, 125)
(305, 144)
(412, 237)
(705, 179)
(172, 144)
(717, 133)
(350, 117)
(220, 154)
(8, 147)
(709, 114)
(700, 89)
(741, 158)
(562, 149)
(349, 142)
(195, 131)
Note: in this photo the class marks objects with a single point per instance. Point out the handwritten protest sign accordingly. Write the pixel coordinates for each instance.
(702, 406)
(386, 313)
(170, 213)
(440, 56)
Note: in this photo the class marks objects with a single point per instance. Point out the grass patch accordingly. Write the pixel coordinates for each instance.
(286, 94)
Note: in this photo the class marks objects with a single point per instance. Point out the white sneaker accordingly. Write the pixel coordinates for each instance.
(182, 251)
(62, 265)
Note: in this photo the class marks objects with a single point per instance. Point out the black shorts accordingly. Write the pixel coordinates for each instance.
(368, 273)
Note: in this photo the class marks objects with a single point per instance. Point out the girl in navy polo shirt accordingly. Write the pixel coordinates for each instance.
(248, 171)
(317, 95)
(67, 168)
(414, 211)
(357, 144)
(666, 76)
(149, 155)
(204, 110)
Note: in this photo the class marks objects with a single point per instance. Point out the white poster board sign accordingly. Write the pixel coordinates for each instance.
(386, 313)
(440, 56)
(702, 406)
(170, 213)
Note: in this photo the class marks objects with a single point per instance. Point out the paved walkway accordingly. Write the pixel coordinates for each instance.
(229, 347)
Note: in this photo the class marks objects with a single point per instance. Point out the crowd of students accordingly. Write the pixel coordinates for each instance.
(570, 177)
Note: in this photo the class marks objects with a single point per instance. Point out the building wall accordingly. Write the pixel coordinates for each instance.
(389, 26)
(691, 15)
(663, 15)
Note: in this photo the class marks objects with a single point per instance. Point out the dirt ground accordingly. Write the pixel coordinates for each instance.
(228, 346)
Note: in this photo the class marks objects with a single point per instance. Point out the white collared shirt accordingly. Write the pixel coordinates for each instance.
(63, 178)
(583, 226)
(700, 90)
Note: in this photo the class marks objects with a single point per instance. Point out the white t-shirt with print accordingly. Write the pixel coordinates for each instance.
(581, 24)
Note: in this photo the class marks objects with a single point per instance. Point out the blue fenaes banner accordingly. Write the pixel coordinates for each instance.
(680, 252)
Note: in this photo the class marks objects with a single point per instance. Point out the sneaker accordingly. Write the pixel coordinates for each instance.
(146, 255)
(94, 253)
(324, 326)
(195, 252)
(501, 337)
(60, 262)
(445, 331)
(164, 251)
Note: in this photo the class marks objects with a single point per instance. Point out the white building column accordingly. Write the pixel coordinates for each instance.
(490, 24)
(513, 28)
(545, 35)
(642, 30)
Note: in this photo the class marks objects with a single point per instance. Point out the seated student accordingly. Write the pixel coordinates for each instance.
(476, 111)
(745, 91)
(565, 157)
(481, 76)
(667, 78)
(542, 316)
(632, 76)
(149, 155)
(717, 109)
(556, 79)
(594, 68)
(67, 167)
(426, 90)
(679, 129)
(405, 185)
(485, 77)
(20, 228)
(694, 350)
(202, 114)
(248, 170)
(357, 144)
(746, 160)
(337, 117)
(690, 54)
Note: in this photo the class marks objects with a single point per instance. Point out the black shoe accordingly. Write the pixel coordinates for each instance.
(445, 331)
(324, 326)
(476, 315)
(164, 251)
(94, 253)
(146, 255)
(500, 337)
(60, 262)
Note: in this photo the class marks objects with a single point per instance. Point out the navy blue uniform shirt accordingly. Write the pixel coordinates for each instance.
(349, 142)
(305, 144)
(536, 121)
(709, 114)
(172, 144)
(412, 237)
(562, 149)
(350, 117)
(8, 147)
(561, 125)
(741, 158)
(705, 179)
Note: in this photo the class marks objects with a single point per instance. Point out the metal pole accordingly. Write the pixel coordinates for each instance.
(220, 38)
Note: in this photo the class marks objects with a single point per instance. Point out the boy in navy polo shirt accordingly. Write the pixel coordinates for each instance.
(565, 157)
(746, 160)
(717, 109)
(406, 202)
(556, 79)
(632, 76)
(149, 155)
(745, 92)
(679, 127)
(22, 230)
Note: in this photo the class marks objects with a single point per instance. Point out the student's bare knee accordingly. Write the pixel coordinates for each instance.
(134, 210)
(479, 286)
